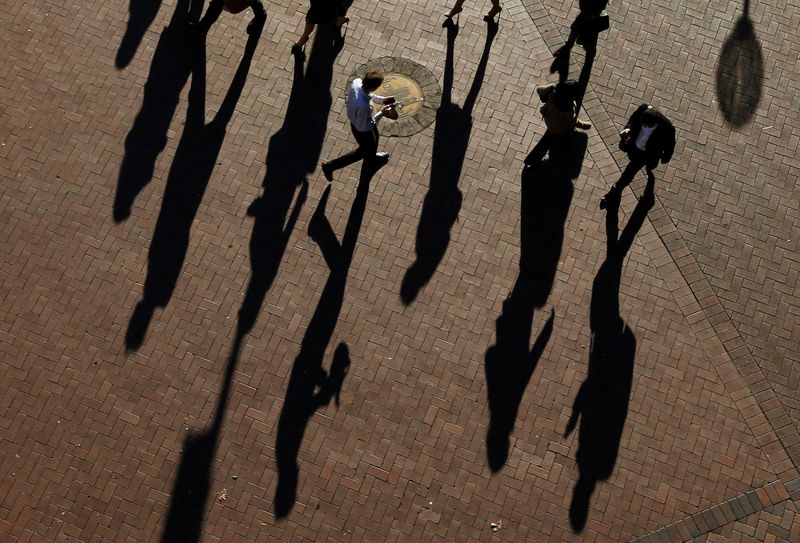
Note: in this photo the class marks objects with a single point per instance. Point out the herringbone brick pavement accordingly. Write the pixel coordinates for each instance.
(273, 385)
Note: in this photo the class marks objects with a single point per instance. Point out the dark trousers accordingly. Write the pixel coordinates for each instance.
(367, 147)
(638, 160)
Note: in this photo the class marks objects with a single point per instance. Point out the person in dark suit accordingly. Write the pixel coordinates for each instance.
(648, 138)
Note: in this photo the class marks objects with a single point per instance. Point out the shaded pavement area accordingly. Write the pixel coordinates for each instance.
(202, 340)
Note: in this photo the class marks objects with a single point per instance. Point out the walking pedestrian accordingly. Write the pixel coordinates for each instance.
(591, 20)
(459, 7)
(215, 8)
(560, 117)
(648, 138)
(363, 124)
(320, 12)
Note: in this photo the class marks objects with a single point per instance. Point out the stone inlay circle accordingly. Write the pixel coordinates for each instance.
(413, 85)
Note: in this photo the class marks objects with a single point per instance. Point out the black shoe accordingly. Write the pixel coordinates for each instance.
(327, 172)
(297, 49)
(604, 202)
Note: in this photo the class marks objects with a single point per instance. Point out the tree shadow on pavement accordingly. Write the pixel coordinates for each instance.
(310, 386)
(188, 178)
(740, 72)
(602, 401)
(442, 203)
(141, 15)
(147, 138)
(194, 162)
(510, 363)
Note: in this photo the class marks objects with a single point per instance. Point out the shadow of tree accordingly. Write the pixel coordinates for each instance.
(602, 401)
(141, 15)
(740, 72)
(193, 164)
(169, 71)
(442, 203)
(510, 363)
(310, 387)
(188, 178)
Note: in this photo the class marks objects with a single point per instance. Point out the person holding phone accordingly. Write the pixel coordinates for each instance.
(363, 124)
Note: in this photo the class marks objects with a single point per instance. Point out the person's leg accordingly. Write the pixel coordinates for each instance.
(371, 156)
(212, 14)
(636, 163)
(494, 11)
(457, 8)
(309, 28)
(367, 145)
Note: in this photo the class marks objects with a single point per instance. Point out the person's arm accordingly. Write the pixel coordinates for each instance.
(635, 117)
(669, 142)
(378, 99)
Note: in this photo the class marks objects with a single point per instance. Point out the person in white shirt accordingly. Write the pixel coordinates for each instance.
(648, 138)
(363, 124)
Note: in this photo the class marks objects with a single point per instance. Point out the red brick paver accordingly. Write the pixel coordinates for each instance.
(242, 365)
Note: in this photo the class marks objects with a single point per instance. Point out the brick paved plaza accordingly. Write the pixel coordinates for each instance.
(202, 340)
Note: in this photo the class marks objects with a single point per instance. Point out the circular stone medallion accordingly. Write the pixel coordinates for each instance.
(413, 86)
(407, 92)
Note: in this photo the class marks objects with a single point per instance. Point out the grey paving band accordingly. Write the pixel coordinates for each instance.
(719, 515)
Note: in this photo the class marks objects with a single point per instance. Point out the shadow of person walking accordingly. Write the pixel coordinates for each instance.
(184, 520)
(293, 153)
(510, 363)
(740, 72)
(188, 177)
(310, 387)
(442, 203)
(169, 71)
(602, 401)
(141, 14)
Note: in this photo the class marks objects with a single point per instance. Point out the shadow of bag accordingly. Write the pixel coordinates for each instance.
(236, 6)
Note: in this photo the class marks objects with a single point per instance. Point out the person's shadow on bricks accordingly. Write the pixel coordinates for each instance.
(310, 387)
(293, 154)
(141, 15)
(188, 177)
(740, 72)
(510, 362)
(442, 203)
(602, 401)
(147, 138)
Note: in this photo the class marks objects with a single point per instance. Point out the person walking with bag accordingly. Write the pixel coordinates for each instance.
(648, 138)
(560, 117)
(363, 124)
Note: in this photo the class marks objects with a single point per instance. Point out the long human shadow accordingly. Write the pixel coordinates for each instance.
(310, 387)
(740, 72)
(193, 164)
(195, 158)
(442, 202)
(602, 401)
(510, 362)
(293, 154)
(147, 138)
(141, 14)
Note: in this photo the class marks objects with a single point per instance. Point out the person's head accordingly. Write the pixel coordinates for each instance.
(565, 93)
(372, 80)
(650, 117)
